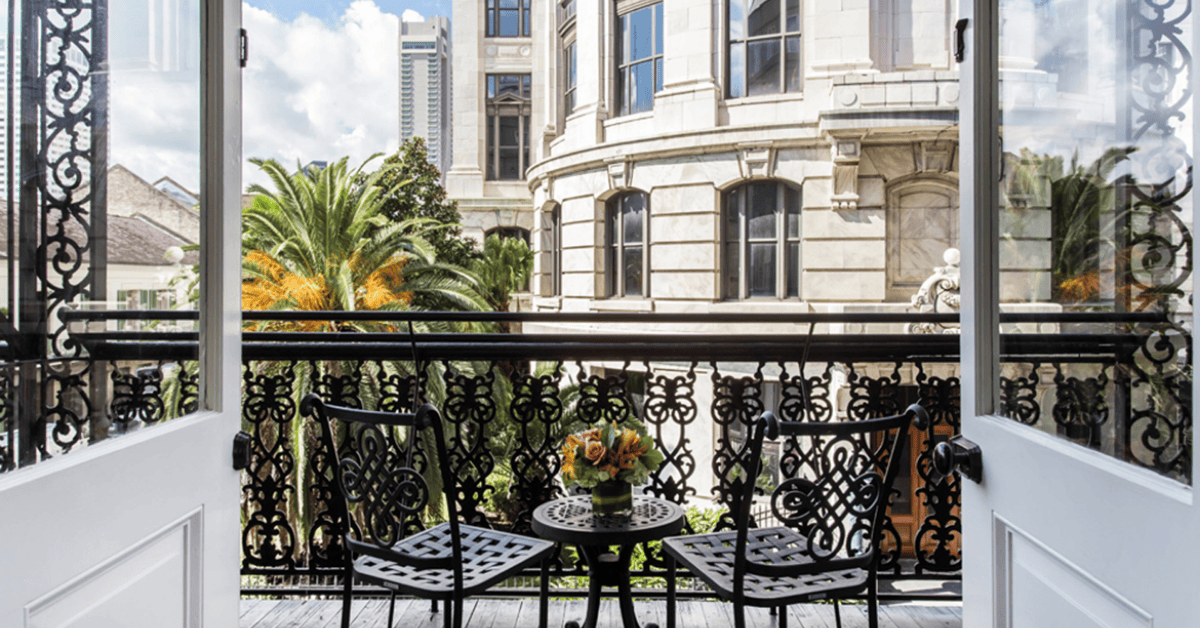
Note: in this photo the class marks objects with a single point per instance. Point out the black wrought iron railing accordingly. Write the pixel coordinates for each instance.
(509, 398)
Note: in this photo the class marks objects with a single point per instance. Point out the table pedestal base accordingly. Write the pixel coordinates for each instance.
(606, 569)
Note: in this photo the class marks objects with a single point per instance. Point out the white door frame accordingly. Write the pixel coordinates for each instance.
(89, 537)
(1145, 516)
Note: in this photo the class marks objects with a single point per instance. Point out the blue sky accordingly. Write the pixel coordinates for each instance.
(330, 11)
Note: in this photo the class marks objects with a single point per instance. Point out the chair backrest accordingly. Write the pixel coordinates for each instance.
(381, 492)
(835, 485)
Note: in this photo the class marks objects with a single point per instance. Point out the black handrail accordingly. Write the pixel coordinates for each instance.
(622, 317)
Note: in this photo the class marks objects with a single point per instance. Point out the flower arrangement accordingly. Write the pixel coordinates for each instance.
(610, 452)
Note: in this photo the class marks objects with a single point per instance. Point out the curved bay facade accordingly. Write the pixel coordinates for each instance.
(744, 154)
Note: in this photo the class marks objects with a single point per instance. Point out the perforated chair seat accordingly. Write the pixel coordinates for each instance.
(710, 558)
(489, 556)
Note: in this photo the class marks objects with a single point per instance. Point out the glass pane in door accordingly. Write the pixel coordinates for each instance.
(100, 224)
(1095, 223)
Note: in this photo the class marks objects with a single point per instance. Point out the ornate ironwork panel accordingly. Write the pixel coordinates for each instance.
(137, 396)
(737, 402)
(469, 411)
(537, 409)
(941, 526)
(269, 410)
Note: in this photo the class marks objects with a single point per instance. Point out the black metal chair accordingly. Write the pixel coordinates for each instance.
(831, 501)
(382, 495)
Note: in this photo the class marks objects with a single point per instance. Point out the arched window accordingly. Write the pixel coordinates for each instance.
(628, 227)
(761, 241)
(922, 222)
(509, 232)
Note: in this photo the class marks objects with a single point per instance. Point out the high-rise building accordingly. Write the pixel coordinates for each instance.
(425, 86)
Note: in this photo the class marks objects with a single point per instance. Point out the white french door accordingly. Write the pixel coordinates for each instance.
(1077, 146)
(140, 530)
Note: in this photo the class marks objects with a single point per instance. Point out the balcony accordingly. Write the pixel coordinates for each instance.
(509, 398)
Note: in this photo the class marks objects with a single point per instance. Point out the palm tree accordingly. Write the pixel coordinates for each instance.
(504, 268)
(320, 241)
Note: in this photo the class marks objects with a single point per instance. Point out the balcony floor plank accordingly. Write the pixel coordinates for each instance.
(522, 613)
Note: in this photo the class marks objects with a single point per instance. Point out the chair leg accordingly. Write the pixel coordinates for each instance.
(391, 610)
(347, 592)
(447, 616)
(873, 607)
(432, 606)
(670, 591)
(783, 617)
(544, 595)
(739, 614)
(837, 614)
(458, 613)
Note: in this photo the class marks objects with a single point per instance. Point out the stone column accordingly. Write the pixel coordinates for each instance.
(465, 178)
(690, 95)
(593, 57)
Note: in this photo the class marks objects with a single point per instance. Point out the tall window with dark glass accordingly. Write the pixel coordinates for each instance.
(639, 49)
(509, 105)
(764, 47)
(628, 228)
(761, 238)
(508, 18)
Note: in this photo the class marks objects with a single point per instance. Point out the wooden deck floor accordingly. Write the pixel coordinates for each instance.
(522, 613)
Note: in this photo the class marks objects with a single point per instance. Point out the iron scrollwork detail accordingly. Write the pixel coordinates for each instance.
(268, 538)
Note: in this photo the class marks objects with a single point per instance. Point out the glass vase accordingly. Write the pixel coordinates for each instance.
(612, 498)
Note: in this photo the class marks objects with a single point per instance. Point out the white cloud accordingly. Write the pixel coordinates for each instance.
(411, 16)
(311, 91)
(318, 93)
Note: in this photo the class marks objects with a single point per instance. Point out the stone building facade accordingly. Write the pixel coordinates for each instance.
(501, 96)
(765, 156)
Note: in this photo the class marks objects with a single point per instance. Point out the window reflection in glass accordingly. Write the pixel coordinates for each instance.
(1096, 205)
(764, 47)
(569, 78)
(639, 59)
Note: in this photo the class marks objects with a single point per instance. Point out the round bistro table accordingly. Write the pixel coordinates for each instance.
(570, 520)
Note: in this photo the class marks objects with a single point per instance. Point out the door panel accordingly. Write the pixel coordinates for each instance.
(157, 568)
(1050, 590)
(1077, 145)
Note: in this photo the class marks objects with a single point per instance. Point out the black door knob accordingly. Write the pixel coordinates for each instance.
(958, 454)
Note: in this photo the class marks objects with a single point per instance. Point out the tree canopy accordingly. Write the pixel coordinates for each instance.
(320, 241)
(423, 197)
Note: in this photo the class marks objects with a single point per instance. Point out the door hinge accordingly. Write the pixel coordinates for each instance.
(960, 40)
(241, 451)
(244, 47)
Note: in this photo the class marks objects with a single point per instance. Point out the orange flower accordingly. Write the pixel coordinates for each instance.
(612, 470)
(595, 452)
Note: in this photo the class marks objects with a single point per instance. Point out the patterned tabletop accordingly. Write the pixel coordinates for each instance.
(570, 520)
